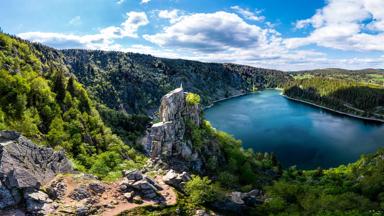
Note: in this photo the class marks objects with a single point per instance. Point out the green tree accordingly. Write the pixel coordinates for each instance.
(59, 86)
(71, 88)
(201, 190)
(56, 134)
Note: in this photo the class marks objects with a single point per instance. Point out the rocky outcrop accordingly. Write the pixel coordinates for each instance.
(176, 180)
(135, 183)
(24, 167)
(166, 139)
(238, 202)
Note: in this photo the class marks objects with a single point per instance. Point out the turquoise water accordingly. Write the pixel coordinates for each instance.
(299, 134)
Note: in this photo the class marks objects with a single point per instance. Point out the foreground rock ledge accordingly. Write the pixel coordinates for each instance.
(24, 167)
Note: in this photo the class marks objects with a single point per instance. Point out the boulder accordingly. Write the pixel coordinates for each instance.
(253, 197)
(80, 193)
(129, 195)
(38, 203)
(133, 175)
(237, 202)
(236, 198)
(201, 212)
(136, 183)
(176, 180)
(56, 189)
(6, 198)
(24, 167)
(143, 185)
(96, 187)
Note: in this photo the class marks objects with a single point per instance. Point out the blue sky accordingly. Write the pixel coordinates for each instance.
(297, 35)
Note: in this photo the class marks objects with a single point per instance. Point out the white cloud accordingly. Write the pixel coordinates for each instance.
(213, 32)
(345, 25)
(120, 1)
(104, 39)
(247, 14)
(172, 15)
(133, 22)
(230, 37)
(144, 1)
(75, 21)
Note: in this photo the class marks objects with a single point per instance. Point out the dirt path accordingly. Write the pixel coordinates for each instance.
(111, 200)
(167, 192)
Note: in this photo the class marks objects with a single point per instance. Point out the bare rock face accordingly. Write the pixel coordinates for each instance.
(38, 203)
(166, 139)
(176, 180)
(25, 167)
(135, 183)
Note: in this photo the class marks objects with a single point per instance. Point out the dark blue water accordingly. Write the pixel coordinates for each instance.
(299, 134)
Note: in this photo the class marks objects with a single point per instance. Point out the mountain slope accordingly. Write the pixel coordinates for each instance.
(42, 100)
(136, 82)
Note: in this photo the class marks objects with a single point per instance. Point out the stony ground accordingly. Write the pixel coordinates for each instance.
(111, 200)
(85, 195)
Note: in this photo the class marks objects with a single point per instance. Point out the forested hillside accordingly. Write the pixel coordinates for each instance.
(348, 96)
(369, 76)
(136, 82)
(354, 189)
(42, 100)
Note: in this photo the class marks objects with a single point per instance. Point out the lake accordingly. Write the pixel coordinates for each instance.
(299, 134)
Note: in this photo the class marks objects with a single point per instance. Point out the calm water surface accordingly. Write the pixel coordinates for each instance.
(299, 134)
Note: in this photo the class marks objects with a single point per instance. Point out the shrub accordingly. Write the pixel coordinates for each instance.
(201, 190)
(193, 99)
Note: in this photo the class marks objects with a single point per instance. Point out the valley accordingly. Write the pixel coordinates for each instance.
(135, 124)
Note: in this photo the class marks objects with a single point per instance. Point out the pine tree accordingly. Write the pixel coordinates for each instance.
(59, 86)
(71, 86)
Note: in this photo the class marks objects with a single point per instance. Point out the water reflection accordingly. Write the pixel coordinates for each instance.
(299, 134)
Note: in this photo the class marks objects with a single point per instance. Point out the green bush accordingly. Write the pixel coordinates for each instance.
(192, 99)
(201, 190)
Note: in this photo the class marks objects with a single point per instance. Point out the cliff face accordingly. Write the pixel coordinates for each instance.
(166, 139)
(24, 167)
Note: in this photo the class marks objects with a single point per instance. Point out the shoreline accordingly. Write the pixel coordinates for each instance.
(335, 111)
(302, 101)
(238, 95)
(223, 99)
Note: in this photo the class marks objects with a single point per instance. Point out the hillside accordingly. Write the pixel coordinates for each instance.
(369, 76)
(75, 101)
(136, 82)
(352, 97)
(41, 99)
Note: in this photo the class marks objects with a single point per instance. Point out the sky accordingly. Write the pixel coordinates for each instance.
(276, 34)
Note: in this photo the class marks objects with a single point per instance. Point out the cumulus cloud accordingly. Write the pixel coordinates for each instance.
(133, 22)
(233, 37)
(247, 14)
(120, 1)
(212, 32)
(172, 15)
(345, 25)
(104, 39)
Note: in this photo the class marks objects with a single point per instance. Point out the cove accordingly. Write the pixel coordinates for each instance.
(299, 134)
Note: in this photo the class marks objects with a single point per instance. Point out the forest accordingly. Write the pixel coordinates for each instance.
(43, 101)
(352, 97)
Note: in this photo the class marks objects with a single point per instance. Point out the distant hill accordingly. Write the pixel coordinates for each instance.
(136, 82)
(369, 75)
